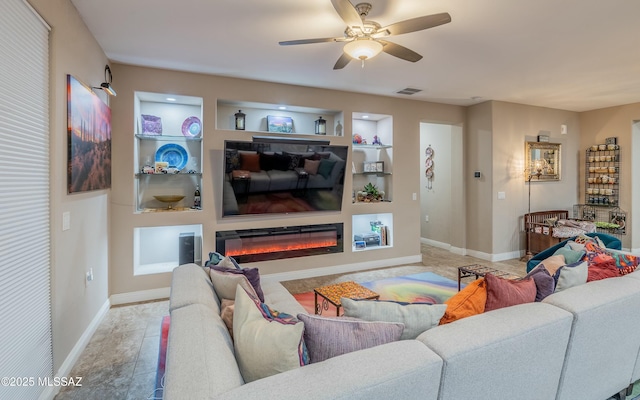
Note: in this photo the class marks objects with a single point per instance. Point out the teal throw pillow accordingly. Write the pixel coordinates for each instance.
(570, 256)
(325, 168)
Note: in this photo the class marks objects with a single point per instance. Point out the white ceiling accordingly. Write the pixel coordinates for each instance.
(567, 54)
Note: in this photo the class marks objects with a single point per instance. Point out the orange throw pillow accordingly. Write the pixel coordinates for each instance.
(250, 162)
(467, 302)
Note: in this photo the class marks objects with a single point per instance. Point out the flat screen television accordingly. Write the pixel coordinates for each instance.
(282, 176)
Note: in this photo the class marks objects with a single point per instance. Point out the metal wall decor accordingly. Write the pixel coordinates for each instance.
(429, 166)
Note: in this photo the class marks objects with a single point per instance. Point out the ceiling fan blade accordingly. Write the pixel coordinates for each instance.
(308, 41)
(416, 24)
(347, 12)
(400, 51)
(342, 61)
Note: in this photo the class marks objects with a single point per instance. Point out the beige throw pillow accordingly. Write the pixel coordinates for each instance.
(225, 284)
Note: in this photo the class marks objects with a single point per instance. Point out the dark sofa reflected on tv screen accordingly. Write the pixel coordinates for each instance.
(277, 176)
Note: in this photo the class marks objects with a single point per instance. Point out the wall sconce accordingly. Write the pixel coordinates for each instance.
(321, 126)
(240, 119)
(106, 85)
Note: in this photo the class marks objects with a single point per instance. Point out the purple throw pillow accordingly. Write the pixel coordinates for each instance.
(545, 284)
(252, 275)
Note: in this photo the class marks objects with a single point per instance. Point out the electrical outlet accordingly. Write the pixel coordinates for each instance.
(90, 275)
(426, 218)
(415, 196)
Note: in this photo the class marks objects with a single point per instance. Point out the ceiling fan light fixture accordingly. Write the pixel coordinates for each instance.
(363, 49)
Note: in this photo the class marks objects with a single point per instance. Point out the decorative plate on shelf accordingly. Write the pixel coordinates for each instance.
(428, 163)
(429, 152)
(173, 154)
(191, 127)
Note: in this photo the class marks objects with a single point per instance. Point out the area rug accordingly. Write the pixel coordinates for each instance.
(162, 357)
(424, 287)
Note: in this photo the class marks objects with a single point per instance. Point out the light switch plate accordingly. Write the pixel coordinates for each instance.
(502, 195)
(66, 221)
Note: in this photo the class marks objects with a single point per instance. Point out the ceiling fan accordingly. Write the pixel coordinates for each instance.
(364, 38)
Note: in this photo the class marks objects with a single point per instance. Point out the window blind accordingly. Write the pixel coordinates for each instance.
(25, 290)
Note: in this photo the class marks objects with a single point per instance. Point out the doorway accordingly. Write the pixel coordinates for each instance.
(442, 204)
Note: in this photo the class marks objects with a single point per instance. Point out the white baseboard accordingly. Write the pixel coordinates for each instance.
(434, 243)
(142, 295)
(478, 254)
(76, 352)
(340, 269)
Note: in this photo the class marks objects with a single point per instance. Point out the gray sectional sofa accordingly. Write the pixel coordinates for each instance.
(581, 343)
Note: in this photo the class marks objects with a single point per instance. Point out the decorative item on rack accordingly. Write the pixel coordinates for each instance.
(321, 126)
(370, 194)
(429, 166)
(196, 198)
(240, 119)
(338, 129)
(376, 141)
(535, 169)
(279, 124)
(357, 138)
(191, 127)
(151, 125)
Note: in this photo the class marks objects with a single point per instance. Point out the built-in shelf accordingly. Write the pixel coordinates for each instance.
(160, 249)
(256, 117)
(367, 129)
(173, 114)
(372, 231)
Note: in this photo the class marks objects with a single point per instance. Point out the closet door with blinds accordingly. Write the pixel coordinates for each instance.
(25, 290)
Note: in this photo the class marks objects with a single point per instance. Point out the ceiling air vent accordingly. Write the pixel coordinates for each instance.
(409, 91)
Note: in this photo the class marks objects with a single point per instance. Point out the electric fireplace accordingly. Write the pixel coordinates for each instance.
(251, 245)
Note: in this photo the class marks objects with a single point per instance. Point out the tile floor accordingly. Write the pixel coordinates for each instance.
(120, 360)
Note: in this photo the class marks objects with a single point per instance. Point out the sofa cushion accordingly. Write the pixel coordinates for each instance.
(507, 292)
(232, 160)
(252, 275)
(571, 275)
(325, 168)
(191, 284)
(553, 263)
(570, 255)
(311, 166)
(416, 318)
(226, 314)
(228, 262)
(330, 337)
(467, 302)
(225, 284)
(545, 284)
(267, 161)
(200, 359)
(626, 263)
(266, 342)
(250, 162)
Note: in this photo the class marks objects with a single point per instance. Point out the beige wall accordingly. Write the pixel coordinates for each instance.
(513, 125)
(478, 157)
(74, 51)
(407, 115)
(617, 122)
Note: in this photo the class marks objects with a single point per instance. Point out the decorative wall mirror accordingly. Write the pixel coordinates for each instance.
(542, 161)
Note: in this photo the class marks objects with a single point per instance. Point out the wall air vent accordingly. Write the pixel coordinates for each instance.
(409, 91)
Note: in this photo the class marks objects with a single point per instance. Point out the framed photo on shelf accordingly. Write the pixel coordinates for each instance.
(379, 166)
(369, 166)
(279, 124)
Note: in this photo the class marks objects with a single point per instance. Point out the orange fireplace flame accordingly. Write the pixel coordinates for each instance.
(274, 248)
